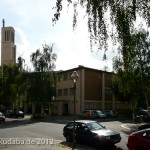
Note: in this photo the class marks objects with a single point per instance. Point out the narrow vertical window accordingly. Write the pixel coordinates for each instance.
(5, 35)
(12, 36)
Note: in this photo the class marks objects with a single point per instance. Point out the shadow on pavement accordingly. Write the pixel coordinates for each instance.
(88, 147)
(16, 122)
(127, 132)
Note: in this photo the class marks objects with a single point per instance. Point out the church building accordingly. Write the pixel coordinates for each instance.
(8, 47)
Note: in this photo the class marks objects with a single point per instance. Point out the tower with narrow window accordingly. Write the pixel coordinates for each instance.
(8, 47)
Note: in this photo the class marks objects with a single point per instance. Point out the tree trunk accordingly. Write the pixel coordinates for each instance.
(42, 108)
(33, 108)
(147, 104)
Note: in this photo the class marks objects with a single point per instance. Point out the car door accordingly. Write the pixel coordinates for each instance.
(68, 130)
(83, 134)
(146, 140)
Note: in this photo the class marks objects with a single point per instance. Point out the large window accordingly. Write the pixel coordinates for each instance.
(108, 91)
(59, 78)
(59, 92)
(65, 77)
(12, 36)
(7, 35)
(65, 92)
(108, 77)
(71, 91)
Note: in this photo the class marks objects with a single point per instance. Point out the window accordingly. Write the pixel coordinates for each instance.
(70, 76)
(146, 135)
(70, 126)
(108, 91)
(108, 77)
(12, 36)
(60, 92)
(65, 77)
(60, 78)
(71, 91)
(65, 92)
(81, 126)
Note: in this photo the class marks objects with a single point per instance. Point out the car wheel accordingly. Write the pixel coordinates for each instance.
(68, 138)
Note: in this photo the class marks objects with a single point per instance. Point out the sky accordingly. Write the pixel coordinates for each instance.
(32, 21)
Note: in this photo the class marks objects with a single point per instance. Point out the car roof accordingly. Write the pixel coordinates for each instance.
(141, 131)
(84, 121)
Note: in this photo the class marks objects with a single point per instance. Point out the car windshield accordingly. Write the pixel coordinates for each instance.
(99, 112)
(94, 126)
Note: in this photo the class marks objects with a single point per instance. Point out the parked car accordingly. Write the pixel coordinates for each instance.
(144, 112)
(141, 115)
(100, 114)
(92, 114)
(92, 132)
(88, 114)
(15, 114)
(2, 117)
(144, 126)
(111, 113)
(139, 140)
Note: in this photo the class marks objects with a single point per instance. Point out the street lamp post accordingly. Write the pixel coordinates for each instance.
(50, 105)
(74, 77)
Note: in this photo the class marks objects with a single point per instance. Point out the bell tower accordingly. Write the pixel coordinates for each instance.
(8, 47)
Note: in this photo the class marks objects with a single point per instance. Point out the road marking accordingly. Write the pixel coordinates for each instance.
(125, 126)
(130, 126)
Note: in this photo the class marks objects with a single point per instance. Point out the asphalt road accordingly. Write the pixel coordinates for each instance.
(47, 134)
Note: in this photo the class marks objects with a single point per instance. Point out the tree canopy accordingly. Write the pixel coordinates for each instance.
(44, 60)
(134, 81)
(123, 15)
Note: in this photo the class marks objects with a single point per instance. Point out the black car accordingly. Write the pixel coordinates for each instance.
(92, 132)
(144, 126)
(2, 117)
(15, 114)
(141, 115)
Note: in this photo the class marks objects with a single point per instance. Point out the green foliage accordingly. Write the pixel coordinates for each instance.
(41, 87)
(44, 60)
(122, 16)
(42, 82)
(18, 86)
(10, 89)
(133, 80)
